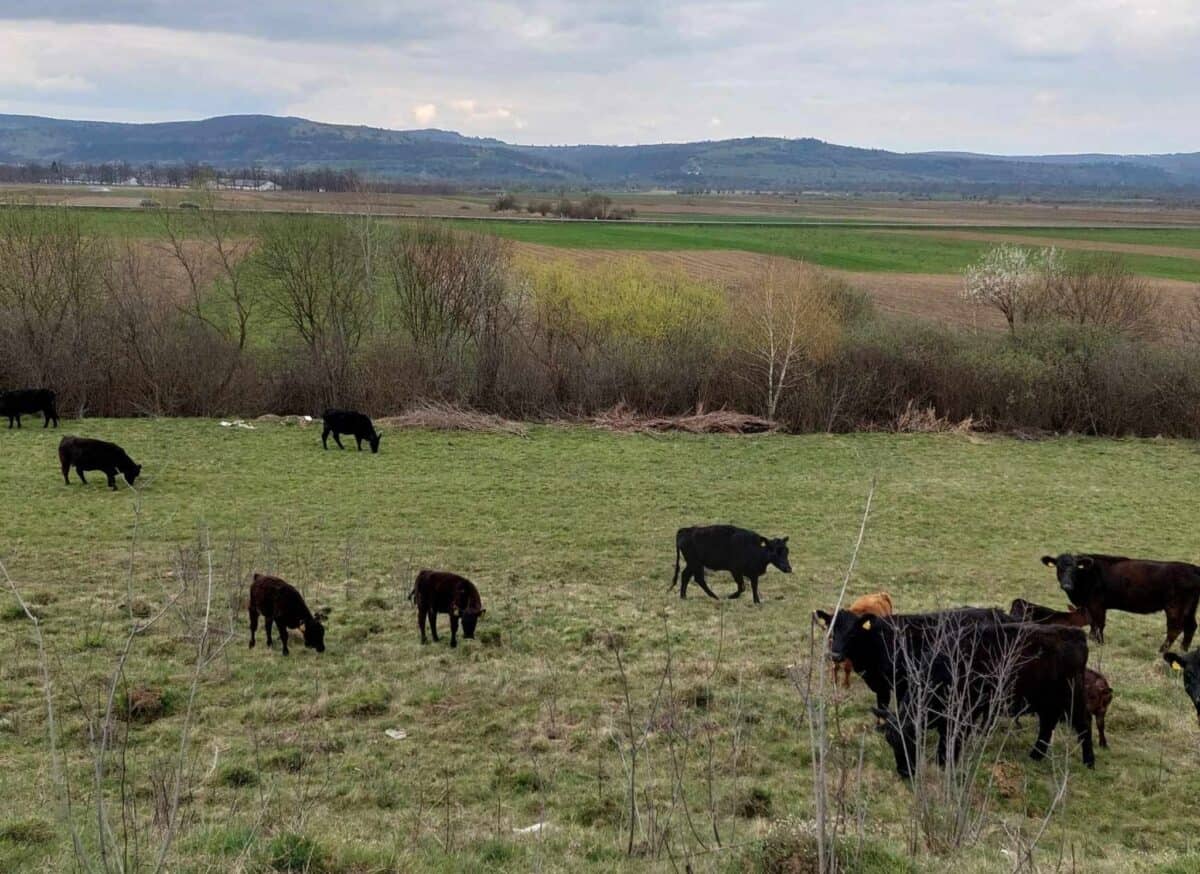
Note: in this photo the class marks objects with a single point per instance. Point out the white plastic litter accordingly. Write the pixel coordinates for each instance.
(534, 829)
(237, 423)
(396, 733)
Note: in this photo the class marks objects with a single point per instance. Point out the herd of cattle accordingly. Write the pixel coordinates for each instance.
(1028, 659)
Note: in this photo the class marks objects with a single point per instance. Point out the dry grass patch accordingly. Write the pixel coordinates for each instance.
(435, 416)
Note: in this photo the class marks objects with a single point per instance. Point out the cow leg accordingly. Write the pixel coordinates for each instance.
(253, 625)
(46, 424)
(453, 630)
(741, 586)
(1174, 627)
(421, 623)
(1100, 730)
(269, 620)
(337, 438)
(1189, 622)
(79, 473)
(358, 440)
(1098, 618)
(702, 583)
(18, 421)
(754, 589)
(283, 635)
(433, 624)
(684, 580)
(1041, 746)
(112, 478)
(1081, 721)
(325, 438)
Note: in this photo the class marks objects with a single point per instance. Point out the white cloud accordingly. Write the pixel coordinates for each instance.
(424, 113)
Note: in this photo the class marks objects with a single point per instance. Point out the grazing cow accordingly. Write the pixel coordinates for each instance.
(28, 401)
(952, 669)
(1099, 695)
(875, 670)
(437, 592)
(879, 604)
(83, 453)
(1027, 611)
(1099, 583)
(725, 548)
(339, 422)
(1189, 664)
(279, 602)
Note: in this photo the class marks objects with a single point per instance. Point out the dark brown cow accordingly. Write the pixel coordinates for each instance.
(1027, 611)
(1099, 583)
(280, 603)
(1189, 666)
(1099, 695)
(437, 592)
(83, 453)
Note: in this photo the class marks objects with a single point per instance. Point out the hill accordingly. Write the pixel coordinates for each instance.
(755, 163)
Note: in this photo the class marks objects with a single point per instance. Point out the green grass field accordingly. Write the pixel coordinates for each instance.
(569, 535)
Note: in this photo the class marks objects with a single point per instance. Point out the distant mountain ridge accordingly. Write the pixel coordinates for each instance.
(752, 163)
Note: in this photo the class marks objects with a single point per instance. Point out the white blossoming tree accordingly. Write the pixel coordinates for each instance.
(1011, 279)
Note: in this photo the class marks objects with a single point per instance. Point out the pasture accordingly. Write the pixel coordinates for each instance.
(568, 532)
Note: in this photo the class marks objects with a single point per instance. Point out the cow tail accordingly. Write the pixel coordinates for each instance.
(412, 594)
(675, 579)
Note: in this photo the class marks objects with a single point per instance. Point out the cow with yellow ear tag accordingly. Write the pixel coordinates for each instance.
(1188, 665)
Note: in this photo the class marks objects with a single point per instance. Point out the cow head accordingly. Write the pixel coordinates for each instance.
(132, 472)
(469, 619)
(1189, 665)
(1078, 575)
(374, 441)
(314, 631)
(850, 634)
(776, 552)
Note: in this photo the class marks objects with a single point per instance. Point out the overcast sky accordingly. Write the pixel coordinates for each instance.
(1007, 76)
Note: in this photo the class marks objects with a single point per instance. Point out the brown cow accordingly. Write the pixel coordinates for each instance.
(437, 592)
(1099, 583)
(1099, 695)
(279, 602)
(880, 604)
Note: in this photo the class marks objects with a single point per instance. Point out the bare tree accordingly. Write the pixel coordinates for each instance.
(1103, 291)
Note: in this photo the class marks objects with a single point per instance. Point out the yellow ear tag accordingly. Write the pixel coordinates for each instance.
(1175, 666)
(866, 626)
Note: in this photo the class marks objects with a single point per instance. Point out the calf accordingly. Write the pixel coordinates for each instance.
(1099, 583)
(279, 602)
(725, 548)
(1027, 611)
(1099, 695)
(437, 592)
(879, 604)
(952, 670)
(83, 453)
(28, 401)
(339, 422)
(1189, 665)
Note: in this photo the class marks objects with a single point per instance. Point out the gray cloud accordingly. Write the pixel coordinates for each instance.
(1013, 75)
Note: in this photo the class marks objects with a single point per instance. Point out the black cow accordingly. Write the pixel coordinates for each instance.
(1099, 583)
(725, 548)
(1189, 664)
(877, 673)
(83, 453)
(280, 603)
(339, 422)
(437, 592)
(952, 670)
(1027, 611)
(28, 401)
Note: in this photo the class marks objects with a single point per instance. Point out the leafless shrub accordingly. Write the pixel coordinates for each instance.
(914, 420)
(623, 419)
(1103, 291)
(446, 417)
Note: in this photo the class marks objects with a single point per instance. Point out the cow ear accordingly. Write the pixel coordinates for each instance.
(482, 610)
(303, 628)
(1049, 561)
(822, 617)
(1084, 561)
(784, 540)
(1173, 660)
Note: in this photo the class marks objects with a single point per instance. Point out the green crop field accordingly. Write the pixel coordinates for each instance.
(569, 535)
